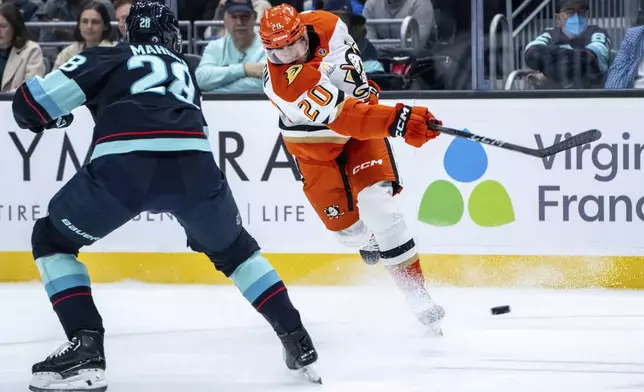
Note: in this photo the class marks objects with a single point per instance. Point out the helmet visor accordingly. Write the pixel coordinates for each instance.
(288, 54)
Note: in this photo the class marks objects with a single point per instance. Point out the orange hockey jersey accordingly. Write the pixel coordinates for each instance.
(309, 96)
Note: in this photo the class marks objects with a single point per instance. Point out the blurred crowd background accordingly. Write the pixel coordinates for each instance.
(404, 44)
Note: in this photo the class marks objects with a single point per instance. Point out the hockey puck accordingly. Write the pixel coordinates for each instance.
(500, 309)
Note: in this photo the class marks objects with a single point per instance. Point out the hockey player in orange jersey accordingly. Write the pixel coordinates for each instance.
(332, 123)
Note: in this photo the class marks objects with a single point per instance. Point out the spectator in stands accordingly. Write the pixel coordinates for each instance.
(572, 55)
(356, 24)
(236, 61)
(62, 11)
(20, 58)
(258, 5)
(122, 10)
(627, 71)
(93, 29)
(27, 7)
(421, 10)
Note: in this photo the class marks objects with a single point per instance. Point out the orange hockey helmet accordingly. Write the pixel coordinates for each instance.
(283, 34)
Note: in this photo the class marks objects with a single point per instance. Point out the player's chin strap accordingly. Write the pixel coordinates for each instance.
(61, 122)
(577, 140)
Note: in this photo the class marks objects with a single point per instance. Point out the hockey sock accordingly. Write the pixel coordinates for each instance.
(408, 276)
(68, 286)
(263, 288)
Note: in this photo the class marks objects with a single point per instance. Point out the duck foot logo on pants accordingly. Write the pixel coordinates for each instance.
(489, 204)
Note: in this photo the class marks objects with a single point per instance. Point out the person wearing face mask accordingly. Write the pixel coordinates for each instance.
(575, 54)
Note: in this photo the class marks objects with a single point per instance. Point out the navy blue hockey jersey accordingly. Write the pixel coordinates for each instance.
(143, 98)
(594, 38)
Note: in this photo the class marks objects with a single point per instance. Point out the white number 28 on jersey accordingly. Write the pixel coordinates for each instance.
(182, 87)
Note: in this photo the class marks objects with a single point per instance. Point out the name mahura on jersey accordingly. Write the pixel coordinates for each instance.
(154, 49)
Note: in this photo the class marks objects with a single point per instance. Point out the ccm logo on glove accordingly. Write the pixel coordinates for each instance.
(401, 123)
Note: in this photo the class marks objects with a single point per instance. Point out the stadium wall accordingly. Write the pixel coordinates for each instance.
(481, 216)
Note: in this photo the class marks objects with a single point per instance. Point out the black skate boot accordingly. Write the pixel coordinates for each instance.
(78, 365)
(370, 252)
(300, 355)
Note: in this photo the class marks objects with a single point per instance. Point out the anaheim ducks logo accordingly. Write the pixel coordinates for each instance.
(292, 72)
(356, 75)
(333, 212)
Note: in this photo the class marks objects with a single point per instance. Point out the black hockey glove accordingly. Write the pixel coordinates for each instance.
(60, 122)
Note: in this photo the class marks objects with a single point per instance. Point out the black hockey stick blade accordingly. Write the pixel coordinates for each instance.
(577, 140)
(567, 144)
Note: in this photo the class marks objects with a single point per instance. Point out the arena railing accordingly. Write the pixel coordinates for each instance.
(65, 25)
(409, 32)
(508, 49)
(72, 25)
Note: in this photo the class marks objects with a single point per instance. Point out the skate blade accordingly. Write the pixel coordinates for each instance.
(435, 329)
(311, 374)
(86, 380)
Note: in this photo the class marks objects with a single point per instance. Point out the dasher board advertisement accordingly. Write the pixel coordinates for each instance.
(459, 197)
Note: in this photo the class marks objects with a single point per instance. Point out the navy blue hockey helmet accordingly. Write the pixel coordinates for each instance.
(152, 22)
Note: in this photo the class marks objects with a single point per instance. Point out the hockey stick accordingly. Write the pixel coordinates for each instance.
(566, 144)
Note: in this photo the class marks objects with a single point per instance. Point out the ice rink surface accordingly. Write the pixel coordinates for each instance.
(168, 338)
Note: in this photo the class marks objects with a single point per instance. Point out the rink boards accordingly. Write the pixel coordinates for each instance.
(480, 215)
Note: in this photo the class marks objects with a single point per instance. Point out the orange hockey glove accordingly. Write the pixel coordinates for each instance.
(411, 122)
(363, 121)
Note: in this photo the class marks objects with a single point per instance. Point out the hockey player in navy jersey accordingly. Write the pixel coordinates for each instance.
(150, 153)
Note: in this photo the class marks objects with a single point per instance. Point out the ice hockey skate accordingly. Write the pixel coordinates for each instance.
(370, 252)
(428, 312)
(300, 355)
(422, 305)
(78, 365)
